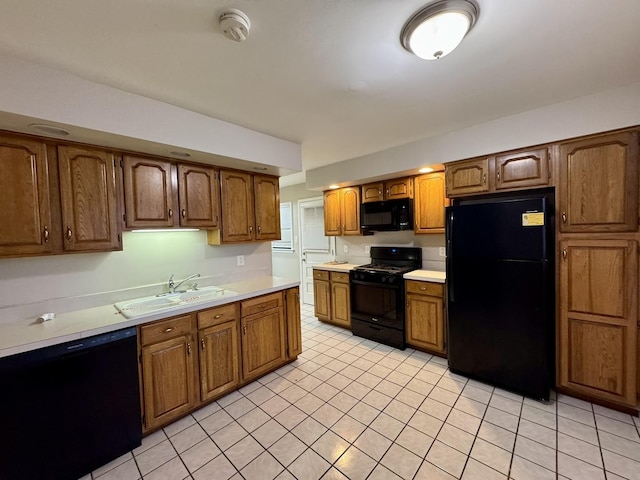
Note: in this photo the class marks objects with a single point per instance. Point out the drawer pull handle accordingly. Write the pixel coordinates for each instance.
(167, 330)
(217, 316)
(423, 288)
(262, 305)
(202, 343)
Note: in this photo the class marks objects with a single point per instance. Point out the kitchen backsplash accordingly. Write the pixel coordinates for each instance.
(33, 285)
(431, 245)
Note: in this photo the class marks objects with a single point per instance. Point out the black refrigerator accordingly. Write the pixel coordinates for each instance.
(500, 292)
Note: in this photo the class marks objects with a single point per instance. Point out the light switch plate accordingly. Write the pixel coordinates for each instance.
(367, 249)
(240, 259)
(443, 252)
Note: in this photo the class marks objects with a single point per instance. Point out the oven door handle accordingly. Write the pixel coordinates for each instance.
(375, 284)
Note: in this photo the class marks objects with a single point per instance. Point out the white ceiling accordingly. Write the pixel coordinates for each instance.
(331, 74)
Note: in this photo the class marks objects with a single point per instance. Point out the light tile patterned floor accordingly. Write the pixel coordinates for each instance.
(351, 408)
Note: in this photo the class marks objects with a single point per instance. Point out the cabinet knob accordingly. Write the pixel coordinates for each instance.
(69, 233)
(170, 213)
(45, 234)
(202, 343)
(188, 349)
(498, 175)
(564, 217)
(484, 179)
(244, 329)
(183, 213)
(250, 229)
(259, 229)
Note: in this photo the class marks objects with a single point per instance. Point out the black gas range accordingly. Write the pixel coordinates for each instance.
(377, 294)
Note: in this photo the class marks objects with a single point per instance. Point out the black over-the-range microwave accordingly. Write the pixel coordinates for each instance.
(387, 216)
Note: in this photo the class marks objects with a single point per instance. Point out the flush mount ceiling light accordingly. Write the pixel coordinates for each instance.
(438, 28)
(49, 129)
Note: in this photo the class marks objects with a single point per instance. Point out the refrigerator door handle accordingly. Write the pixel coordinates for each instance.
(449, 238)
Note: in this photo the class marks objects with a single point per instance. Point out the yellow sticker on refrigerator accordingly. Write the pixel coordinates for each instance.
(532, 219)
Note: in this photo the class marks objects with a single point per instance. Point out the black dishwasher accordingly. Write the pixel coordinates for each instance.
(68, 409)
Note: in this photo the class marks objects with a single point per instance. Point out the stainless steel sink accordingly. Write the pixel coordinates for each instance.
(167, 301)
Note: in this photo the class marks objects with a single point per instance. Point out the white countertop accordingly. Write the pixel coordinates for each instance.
(426, 276)
(337, 267)
(29, 335)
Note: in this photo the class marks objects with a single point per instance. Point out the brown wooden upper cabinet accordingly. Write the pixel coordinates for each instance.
(198, 194)
(342, 211)
(88, 199)
(430, 202)
(388, 190)
(528, 168)
(599, 184)
(150, 192)
(467, 177)
(161, 194)
(25, 215)
(250, 206)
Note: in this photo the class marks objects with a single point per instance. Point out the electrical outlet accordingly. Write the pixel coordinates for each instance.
(367, 249)
(345, 248)
(240, 259)
(443, 252)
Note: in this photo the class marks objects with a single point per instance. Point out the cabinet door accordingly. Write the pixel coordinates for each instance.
(219, 360)
(430, 203)
(236, 192)
(340, 304)
(149, 192)
(332, 221)
(425, 322)
(88, 195)
(523, 169)
(599, 184)
(25, 215)
(294, 328)
(322, 300)
(598, 318)
(198, 196)
(467, 177)
(398, 188)
(350, 210)
(263, 342)
(267, 207)
(168, 380)
(373, 192)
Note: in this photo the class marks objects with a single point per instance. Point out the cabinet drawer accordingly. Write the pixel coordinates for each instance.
(218, 315)
(339, 277)
(320, 274)
(260, 304)
(165, 329)
(425, 288)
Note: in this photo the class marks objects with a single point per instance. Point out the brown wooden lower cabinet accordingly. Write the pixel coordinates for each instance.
(332, 301)
(598, 319)
(425, 316)
(168, 366)
(213, 352)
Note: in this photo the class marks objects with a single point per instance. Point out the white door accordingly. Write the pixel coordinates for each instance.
(315, 247)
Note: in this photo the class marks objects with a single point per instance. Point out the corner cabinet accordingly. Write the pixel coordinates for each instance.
(598, 319)
(599, 184)
(89, 199)
(263, 335)
(425, 326)
(24, 194)
(430, 203)
(342, 211)
(168, 366)
(250, 207)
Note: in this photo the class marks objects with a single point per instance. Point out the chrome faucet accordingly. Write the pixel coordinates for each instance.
(173, 287)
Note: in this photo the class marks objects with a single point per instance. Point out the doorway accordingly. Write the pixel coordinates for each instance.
(315, 246)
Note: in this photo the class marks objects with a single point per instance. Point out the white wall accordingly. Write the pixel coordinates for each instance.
(32, 285)
(604, 111)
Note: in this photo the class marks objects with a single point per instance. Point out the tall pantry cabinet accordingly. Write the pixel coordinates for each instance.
(598, 267)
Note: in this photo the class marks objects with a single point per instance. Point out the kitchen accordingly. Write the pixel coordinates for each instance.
(30, 283)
